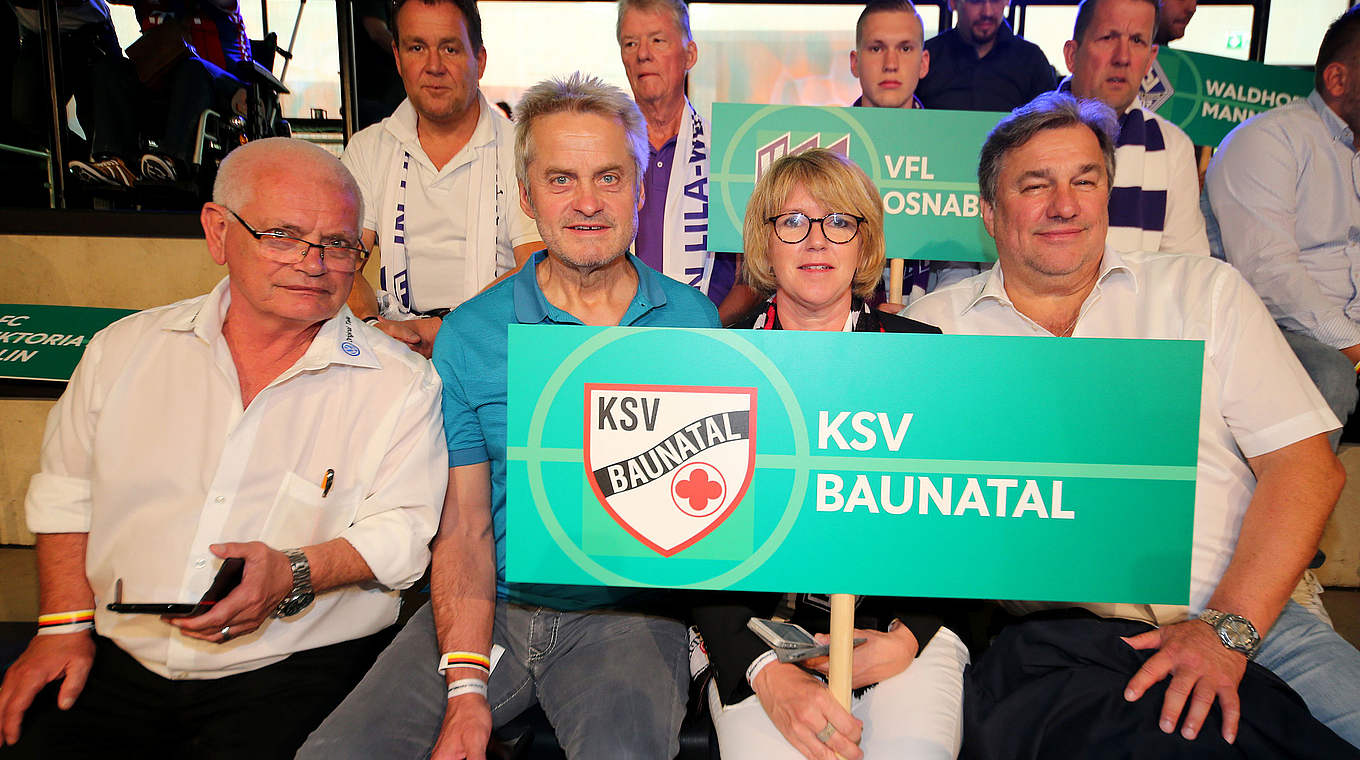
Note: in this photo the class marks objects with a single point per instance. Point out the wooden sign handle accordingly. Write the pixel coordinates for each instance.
(896, 271)
(842, 645)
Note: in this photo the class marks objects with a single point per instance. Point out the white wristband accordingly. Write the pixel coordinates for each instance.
(757, 665)
(52, 630)
(467, 686)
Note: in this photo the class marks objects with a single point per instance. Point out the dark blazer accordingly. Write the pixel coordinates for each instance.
(871, 321)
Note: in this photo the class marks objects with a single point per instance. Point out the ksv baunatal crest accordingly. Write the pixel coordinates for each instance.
(669, 462)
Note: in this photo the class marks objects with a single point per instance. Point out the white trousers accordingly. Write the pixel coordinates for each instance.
(917, 713)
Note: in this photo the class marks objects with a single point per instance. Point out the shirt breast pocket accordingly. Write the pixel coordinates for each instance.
(300, 515)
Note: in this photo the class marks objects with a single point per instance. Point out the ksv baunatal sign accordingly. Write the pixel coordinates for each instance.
(775, 461)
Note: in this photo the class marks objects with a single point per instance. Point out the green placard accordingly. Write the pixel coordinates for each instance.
(1208, 95)
(924, 164)
(46, 342)
(953, 466)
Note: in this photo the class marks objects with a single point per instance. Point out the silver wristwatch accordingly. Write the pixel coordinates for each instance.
(1236, 632)
(301, 595)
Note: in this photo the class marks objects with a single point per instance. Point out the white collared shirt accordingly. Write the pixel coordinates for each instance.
(438, 213)
(150, 452)
(1255, 397)
(1285, 189)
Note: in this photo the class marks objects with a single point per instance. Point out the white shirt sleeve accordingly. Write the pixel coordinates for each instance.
(59, 495)
(395, 522)
(1184, 231)
(1266, 398)
(1252, 185)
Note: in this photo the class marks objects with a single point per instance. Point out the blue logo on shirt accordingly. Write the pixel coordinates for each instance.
(349, 348)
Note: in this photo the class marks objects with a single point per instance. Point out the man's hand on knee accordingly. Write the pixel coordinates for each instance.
(466, 729)
(67, 656)
(1201, 669)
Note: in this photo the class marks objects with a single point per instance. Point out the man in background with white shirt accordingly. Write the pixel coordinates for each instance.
(260, 421)
(438, 179)
(1282, 188)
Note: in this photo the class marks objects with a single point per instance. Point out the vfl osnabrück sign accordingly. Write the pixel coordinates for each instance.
(863, 463)
(923, 162)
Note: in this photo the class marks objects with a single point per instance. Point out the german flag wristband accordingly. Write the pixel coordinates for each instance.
(65, 622)
(465, 660)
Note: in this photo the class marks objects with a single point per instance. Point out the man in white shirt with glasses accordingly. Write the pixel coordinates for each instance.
(261, 421)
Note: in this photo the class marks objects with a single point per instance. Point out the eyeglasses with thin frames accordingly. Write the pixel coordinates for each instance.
(342, 256)
(794, 227)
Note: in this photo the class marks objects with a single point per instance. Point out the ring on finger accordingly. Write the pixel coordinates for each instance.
(826, 733)
(226, 635)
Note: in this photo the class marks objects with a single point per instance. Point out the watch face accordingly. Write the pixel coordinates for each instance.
(1238, 632)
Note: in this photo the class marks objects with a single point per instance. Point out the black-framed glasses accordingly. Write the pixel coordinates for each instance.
(343, 256)
(795, 226)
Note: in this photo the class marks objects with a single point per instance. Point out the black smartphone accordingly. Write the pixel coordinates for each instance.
(228, 577)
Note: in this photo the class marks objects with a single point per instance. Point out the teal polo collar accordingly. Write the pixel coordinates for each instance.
(531, 307)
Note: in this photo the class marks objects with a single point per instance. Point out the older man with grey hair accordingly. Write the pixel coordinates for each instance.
(263, 423)
(1266, 476)
(611, 677)
(658, 50)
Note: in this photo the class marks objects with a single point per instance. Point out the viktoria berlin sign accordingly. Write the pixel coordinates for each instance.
(1013, 468)
(671, 493)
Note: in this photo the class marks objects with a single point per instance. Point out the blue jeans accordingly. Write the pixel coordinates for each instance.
(1318, 664)
(1332, 373)
(613, 685)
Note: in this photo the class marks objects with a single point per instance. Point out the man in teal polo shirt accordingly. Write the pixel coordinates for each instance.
(611, 678)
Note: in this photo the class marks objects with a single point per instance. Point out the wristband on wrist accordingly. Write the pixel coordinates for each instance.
(757, 665)
(467, 686)
(465, 660)
(372, 319)
(65, 622)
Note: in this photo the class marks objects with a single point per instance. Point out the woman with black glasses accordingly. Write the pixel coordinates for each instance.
(813, 241)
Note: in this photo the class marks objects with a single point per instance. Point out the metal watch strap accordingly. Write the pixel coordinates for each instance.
(302, 583)
(1216, 619)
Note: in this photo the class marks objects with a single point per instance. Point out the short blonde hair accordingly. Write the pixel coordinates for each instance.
(836, 182)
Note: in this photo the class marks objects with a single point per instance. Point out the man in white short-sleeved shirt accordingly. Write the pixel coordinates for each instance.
(438, 178)
(259, 421)
(1266, 478)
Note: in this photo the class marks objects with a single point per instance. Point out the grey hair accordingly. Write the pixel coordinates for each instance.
(678, 9)
(235, 183)
(1051, 110)
(578, 93)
